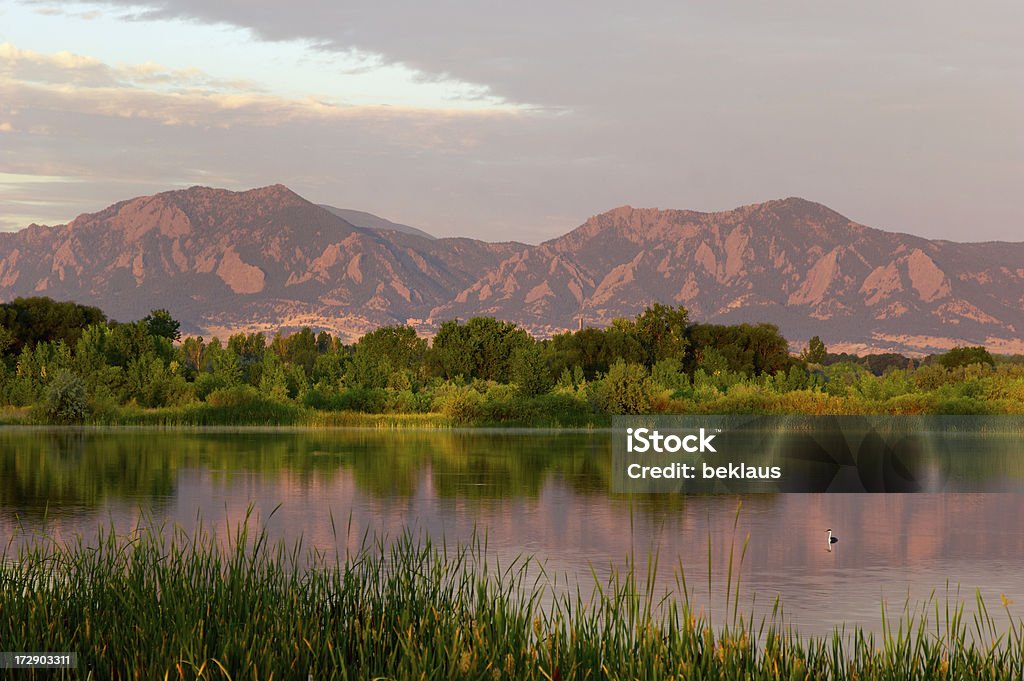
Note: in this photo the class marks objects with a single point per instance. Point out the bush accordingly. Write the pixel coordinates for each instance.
(407, 402)
(626, 389)
(237, 396)
(931, 377)
(65, 400)
(880, 388)
(239, 405)
(366, 400)
(458, 403)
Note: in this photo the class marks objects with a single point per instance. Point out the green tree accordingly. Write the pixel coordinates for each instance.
(965, 356)
(191, 355)
(162, 324)
(451, 353)
(38, 319)
(227, 369)
(6, 340)
(250, 350)
(298, 349)
(273, 382)
(481, 348)
(815, 352)
(129, 341)
(662, 330)
(530, 371)
(385, 351)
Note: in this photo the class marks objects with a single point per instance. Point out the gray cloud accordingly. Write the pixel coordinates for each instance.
(901, 115)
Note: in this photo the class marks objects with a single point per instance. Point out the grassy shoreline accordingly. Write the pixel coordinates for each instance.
(189, 607)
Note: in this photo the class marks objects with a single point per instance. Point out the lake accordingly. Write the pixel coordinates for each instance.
(541, 493)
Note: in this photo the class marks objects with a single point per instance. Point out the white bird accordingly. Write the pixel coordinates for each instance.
(831, 540)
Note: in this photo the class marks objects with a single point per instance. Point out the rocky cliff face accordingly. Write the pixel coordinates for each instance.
(267, 259)
(792, 262)
(224, 261)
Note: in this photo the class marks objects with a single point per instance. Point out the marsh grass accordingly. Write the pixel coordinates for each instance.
(162, 603)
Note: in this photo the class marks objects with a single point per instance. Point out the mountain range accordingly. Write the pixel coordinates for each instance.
(268, 260)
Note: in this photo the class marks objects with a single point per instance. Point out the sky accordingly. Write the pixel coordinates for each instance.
(503, 120)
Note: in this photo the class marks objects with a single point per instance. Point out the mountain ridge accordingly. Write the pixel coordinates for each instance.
(267, 258)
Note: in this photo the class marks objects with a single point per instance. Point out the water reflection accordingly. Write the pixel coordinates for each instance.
(539, 493)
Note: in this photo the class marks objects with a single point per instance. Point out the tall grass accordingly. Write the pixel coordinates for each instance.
(158, 604)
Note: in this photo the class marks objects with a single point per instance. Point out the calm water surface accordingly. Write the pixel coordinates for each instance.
(539, 493)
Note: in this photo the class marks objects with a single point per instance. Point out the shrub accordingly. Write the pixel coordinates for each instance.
(626, 389)
(668, 373)
(881, 388)
(407, 402)
(235, 396)
(65, 400)
(931, 377)
(366, 400)
(458, 403)
(239, 405)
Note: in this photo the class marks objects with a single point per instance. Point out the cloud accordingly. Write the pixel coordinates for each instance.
(903, 116)
(191, 97)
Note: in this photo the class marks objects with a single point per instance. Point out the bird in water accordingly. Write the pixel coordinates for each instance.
(831, 540)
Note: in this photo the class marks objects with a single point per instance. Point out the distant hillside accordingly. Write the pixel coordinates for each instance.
(370, 221)
(266, 259)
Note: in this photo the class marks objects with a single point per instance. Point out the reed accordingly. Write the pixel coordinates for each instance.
(162, 603)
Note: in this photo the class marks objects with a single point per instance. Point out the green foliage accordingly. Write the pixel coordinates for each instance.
(661, 330)
(127, 341)
(161, 323)
(33, 320)
(669, 374)
(249, 349)
(842, 377)
(931, 377)
(273, 382)
(65, 400)
(151, 383)
(625, 389)
(381, 353)
(227, 369)
(593, 351)
(191, 355)
(6, 340)
(207, 383)
(530, 371)
(240, 405)
(797, 378)
(481, 348)
(485, 371)
(965, 356)
(296, 380)
(366, 400)
(190, 605)
(298, 349)
(746, 348)
(460, 404)
(330, 367)
(816, 352)
(880, 388)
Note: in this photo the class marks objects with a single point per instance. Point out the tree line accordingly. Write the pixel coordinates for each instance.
(70, 363)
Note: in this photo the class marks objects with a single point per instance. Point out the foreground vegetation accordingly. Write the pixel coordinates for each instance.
(65, 363)
(150, 606)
